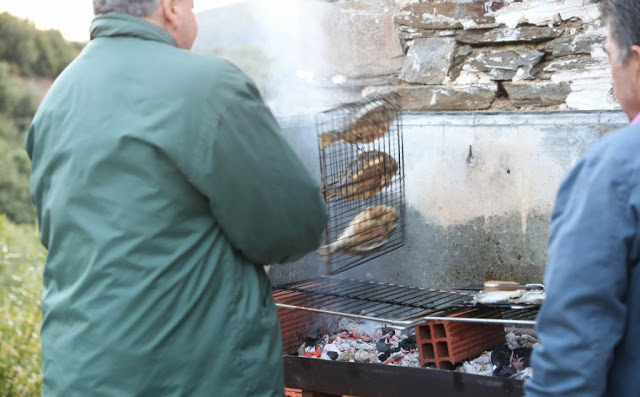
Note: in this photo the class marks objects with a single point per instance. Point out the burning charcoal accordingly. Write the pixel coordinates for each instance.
(382, 347)
(501, 356)
(522, 352)
(313, 337)
(333, 355)
(394, 350)
(384, 356)
(521, 358)
(504, 371)
(408, 344)
(387, 330)
(328, 348)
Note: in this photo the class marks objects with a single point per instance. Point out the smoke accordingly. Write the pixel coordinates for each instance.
(296, 50)
(295, 44)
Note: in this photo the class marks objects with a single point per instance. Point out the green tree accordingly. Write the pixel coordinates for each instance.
(18, 45)
(30, 51)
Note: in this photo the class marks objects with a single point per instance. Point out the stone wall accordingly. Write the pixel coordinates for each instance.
(470, 55)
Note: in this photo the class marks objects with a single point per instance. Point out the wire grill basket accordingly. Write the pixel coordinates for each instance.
(362, 169)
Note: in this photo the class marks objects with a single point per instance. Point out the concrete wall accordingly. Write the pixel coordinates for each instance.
(470, 218)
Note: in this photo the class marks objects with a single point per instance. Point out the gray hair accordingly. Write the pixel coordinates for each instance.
(138, 8)
(622, 17)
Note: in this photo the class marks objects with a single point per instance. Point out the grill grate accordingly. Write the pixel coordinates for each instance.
(394, 304)
(362, 139)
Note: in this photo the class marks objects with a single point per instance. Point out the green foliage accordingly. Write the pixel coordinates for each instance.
(21, 261)
(25, 52)
(33, 52)
(14, 184)
(19, 100)
(8, 89)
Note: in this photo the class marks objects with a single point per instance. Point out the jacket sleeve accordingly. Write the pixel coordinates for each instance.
(265, 200)
(583, 316)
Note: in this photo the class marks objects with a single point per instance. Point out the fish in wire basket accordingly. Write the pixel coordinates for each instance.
(366, 233)
(370, 122)
(364, 178)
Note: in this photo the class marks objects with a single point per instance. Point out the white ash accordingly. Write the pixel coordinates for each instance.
(362, 356)
(348, 355)
(524, 374)
(357, 341)
(521, 340)
(482, 364)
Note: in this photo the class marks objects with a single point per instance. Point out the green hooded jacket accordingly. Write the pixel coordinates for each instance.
(163, 184)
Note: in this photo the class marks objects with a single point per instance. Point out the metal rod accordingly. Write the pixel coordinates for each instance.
(402, 324)
(471, 320)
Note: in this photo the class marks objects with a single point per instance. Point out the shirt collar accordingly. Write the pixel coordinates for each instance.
(117, 24)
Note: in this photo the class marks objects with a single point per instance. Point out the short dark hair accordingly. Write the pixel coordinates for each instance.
(623, 19)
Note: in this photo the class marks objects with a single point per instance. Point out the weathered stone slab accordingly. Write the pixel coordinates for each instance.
(428, 61)
(537, 94)
(577, 64)
(356, 40)
(448, 14)
(409, 33)
(441, 98)
(426, 21)
(503, 65)
(531, 34)
(544, 12)
(580, 44)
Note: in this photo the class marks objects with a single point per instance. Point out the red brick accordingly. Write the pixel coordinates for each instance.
(445, 343)
(296, 324)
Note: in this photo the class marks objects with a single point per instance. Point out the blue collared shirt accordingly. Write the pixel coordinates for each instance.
(589, 325)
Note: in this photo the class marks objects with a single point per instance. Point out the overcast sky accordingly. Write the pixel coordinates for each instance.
(72, 17)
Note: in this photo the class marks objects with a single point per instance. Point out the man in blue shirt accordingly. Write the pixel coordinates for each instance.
(589, 325)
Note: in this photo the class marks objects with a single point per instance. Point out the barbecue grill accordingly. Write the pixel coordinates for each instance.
(395, 305)
(303, 305)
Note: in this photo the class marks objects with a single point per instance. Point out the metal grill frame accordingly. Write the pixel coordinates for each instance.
(398, 306)
(335, 159)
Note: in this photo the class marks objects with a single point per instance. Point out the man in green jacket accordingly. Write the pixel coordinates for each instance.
(163, 184)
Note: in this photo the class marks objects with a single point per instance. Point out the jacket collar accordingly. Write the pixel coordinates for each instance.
(117, 24)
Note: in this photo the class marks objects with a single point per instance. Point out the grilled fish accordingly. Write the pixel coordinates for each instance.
(367, 232)
(365, 177)
(370, 122)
